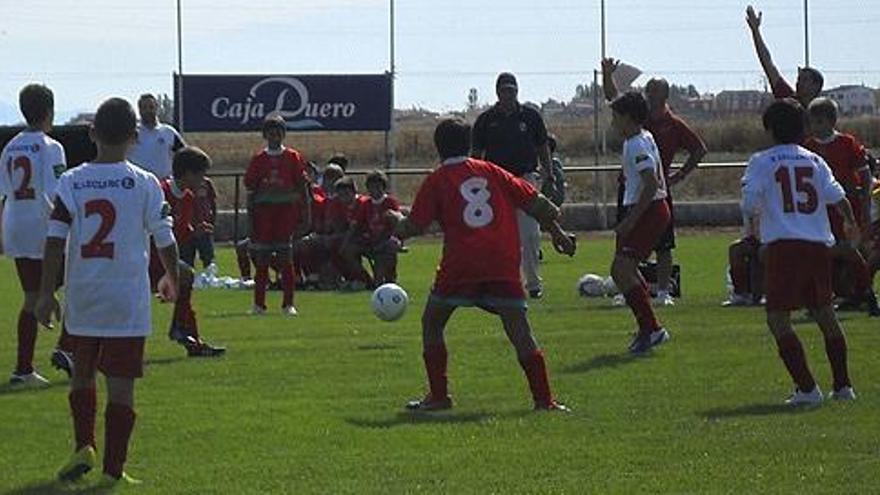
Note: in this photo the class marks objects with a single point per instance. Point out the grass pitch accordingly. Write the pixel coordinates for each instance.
(314, 404)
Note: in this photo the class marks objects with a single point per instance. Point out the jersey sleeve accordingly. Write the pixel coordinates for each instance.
(641, 158)
(178, 141)
(831, 190)
(539, 129)
(184, 216)
(157, 213)
(63, 210)
(752, 189)
(426, 207)
(56, 164)
(520, 192)
(5, 187)
(253, 174)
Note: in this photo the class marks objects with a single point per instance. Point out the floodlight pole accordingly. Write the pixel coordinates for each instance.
(178, 101)
(806, 33)
(390, 152)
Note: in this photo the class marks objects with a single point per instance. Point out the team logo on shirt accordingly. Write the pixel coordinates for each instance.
(128, 183)
(59, 169)
(35, 147)
(166, 209)
(641, 158)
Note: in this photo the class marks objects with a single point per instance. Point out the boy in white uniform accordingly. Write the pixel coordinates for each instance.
(31, 163)
(105, 212)
(788, 188)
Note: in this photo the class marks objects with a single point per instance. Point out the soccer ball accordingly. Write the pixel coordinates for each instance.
(591, 285)
(389, 302)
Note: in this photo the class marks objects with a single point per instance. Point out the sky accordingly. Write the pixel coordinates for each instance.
(87, 50)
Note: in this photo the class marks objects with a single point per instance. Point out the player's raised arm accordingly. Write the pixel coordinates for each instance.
(754, 22)
(609, 65)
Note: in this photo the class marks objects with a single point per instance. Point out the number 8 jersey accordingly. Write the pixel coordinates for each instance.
(31, 163)
(475, 204)
(107, 212)
(789, 188)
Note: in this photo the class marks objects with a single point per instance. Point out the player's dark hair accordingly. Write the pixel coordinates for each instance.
(115, 122)
(190, 159)
(377, 176)
(147, 96)
(551, 143)
(274, 121)
(825, 108)
(633, 105)
(339, 159)
(345, 183)
(815, 75)
(784, 119)
(659, 82)
(36, 101)
(452, 137)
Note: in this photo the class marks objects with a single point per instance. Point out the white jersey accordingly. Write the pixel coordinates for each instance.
(789, 188)
(155, 149)
(640, 153)
(107, 212)
(32, 162)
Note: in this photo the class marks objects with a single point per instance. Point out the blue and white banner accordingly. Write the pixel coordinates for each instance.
(307, 103)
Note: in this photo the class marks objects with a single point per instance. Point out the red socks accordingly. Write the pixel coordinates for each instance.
(639, 302)
(287, 282)
(118, 425)
(261, 282)
(83, 406)
(835, 349)
(792, 353)
(27, 339)
(184, 315)
(536, 373)
(244, 261)
(435, 357)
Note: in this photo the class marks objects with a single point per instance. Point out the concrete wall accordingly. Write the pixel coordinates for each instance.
(577, 216)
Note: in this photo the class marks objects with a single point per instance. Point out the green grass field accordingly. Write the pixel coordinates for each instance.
(314, 404)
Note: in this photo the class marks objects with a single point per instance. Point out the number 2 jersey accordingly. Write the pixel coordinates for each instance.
(475, 203)
(32, 162)
(107, 212)
(789, 188)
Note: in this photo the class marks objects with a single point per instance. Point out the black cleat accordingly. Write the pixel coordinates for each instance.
(62, 361)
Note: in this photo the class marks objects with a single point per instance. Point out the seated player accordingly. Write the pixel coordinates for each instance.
(32, 162)
(788, 188)
(313, 253)
(846, 157)
(189, 166)
(746, 268)
(475, 204)
(278, 191)
(646, 216)
(340, 217)
(105, 212)
(372, 234)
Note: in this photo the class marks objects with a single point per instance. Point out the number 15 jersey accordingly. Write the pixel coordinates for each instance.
(107, 212)
(475, 204)
(789, 188)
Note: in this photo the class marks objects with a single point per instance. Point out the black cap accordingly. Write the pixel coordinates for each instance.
(505, 79)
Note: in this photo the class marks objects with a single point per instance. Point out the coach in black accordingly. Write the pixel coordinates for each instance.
(514, 137)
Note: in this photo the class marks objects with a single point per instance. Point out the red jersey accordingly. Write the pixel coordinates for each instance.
(372, 217)
(672, 134)
(206, 202)
(183, 208)
(339, 216)
(475, 203)
(319, 205)
(274, 178)
(844, 154)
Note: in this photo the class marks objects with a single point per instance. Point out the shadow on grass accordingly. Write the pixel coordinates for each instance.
(376, 347)
(229, 314)
(51, 488)
(6, 388)
(427, 418)
(605, 361)
(754, 410)
(165, 360)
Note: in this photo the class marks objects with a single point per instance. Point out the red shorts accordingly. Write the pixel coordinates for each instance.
(798, 274)
(644, 236)
(274, 223)
(30, 273)
(121, 357)
(483, 294)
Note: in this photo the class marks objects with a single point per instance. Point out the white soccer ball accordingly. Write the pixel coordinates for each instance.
(591, 285)
(389, 302)
(610, 287)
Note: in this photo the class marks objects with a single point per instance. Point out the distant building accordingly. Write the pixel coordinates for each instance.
(853, 99)
(741, 101)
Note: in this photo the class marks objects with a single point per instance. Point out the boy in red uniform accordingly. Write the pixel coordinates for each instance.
(846, 157)
(372, 234)
(340, 217)
(746, 269)
(278, 189)
(475, 204)
(189, 166)
(104, 215)
(789, 187)
(202, 242)
(315, 251)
